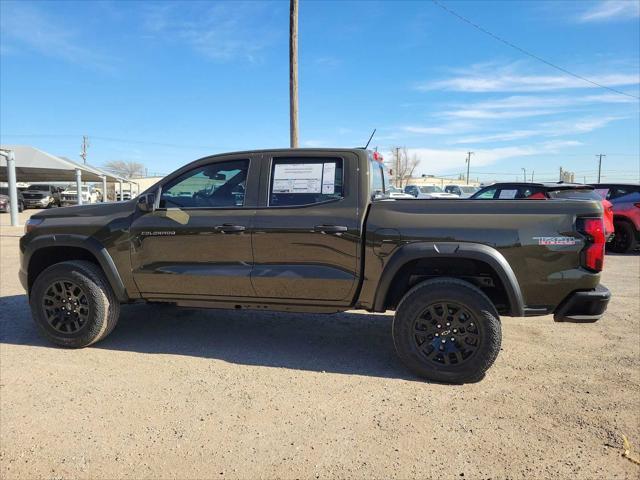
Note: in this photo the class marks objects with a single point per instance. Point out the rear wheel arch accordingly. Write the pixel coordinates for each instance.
(420, 261)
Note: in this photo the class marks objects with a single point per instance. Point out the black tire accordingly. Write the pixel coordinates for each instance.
(458, 346)
(624, 240)
(20, 207)
(95, 313)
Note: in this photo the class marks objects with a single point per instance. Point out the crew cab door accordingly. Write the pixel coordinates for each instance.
(307, 229)
(197, 241)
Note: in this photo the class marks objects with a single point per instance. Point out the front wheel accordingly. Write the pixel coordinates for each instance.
(447, 330)
(73, 304)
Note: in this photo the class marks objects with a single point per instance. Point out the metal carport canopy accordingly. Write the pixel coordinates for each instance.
(34, 165)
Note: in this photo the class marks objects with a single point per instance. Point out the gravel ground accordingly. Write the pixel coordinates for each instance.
(176, 393)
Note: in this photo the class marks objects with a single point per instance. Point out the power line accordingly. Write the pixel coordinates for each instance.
(111, 139)
(526, 52)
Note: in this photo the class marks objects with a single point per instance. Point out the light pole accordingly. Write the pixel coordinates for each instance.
(13, 188)
(468, 164)
(600, 155)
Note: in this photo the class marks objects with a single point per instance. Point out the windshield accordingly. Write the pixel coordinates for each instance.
(576, 194)
(430, 189)
(39, 187)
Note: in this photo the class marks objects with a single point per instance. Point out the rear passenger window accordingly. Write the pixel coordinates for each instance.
(305, 181)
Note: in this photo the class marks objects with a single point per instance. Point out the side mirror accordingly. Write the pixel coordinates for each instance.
(146, 203)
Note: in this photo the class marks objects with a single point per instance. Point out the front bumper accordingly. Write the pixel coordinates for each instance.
(583, 306)
(40, 202)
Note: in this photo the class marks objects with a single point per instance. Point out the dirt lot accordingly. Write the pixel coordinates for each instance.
(212, 394)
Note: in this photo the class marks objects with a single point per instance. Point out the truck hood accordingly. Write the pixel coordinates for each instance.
(92, 210)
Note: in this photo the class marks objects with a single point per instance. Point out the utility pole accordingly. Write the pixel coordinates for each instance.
(293, 72)
(398, 179)
(532, 172)
(468, 164)
(85, 145)
(560, 179)
(600, 155)
(524, 174)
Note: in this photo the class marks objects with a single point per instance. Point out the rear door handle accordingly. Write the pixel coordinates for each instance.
(228, 228)
(330, 228)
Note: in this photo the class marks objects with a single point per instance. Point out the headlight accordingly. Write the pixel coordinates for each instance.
(32, 223)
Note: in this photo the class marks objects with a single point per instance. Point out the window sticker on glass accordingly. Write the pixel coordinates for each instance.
(508, 194)
(329, 178)
(297, 178)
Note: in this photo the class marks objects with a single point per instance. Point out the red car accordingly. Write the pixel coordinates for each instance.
(542, 191)
(625, 198)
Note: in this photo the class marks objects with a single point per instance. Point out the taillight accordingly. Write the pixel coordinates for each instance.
(593, 253)
(637, 204)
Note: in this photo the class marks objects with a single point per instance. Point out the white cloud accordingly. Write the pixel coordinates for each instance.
(611, 10)
(219, 31)
(25, 26)
(490, 114)
(497, 137)
(582, 125)
(450, 161)
(433, 160)
(443, 128)
(510, 78)
(575, 126)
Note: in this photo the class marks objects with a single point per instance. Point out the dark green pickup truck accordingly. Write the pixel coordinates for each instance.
(313, 231)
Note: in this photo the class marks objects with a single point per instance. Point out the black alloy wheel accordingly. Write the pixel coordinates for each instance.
(445, 333)
(66, 307)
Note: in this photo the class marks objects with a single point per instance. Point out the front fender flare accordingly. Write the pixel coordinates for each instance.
(473, 251)
(90, 244)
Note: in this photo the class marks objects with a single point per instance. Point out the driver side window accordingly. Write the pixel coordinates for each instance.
(217, 185)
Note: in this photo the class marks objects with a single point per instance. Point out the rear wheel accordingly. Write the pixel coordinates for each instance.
(624, 239)
(73, 304)
(447, 330)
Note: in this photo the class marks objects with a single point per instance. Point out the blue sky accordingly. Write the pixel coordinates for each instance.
(165, 83)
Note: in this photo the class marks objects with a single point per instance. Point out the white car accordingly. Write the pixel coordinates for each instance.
(70, 195)
(395, 192)
(462, 191)
(427, 191)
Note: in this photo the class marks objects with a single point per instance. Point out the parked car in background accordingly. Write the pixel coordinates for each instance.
(427, 191)
(5, 203)
(70, 195)
(542, 191)
(395, 192)
(625, 198)
(462, 191)
(41, 196)
(123, 196)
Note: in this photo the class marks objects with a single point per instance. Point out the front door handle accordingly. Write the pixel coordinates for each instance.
(229, 228)
(330, 228)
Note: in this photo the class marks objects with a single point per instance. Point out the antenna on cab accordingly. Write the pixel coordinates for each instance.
(372, 134)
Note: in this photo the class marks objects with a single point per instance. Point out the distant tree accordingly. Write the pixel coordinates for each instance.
(402, 164)
(127, 169)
